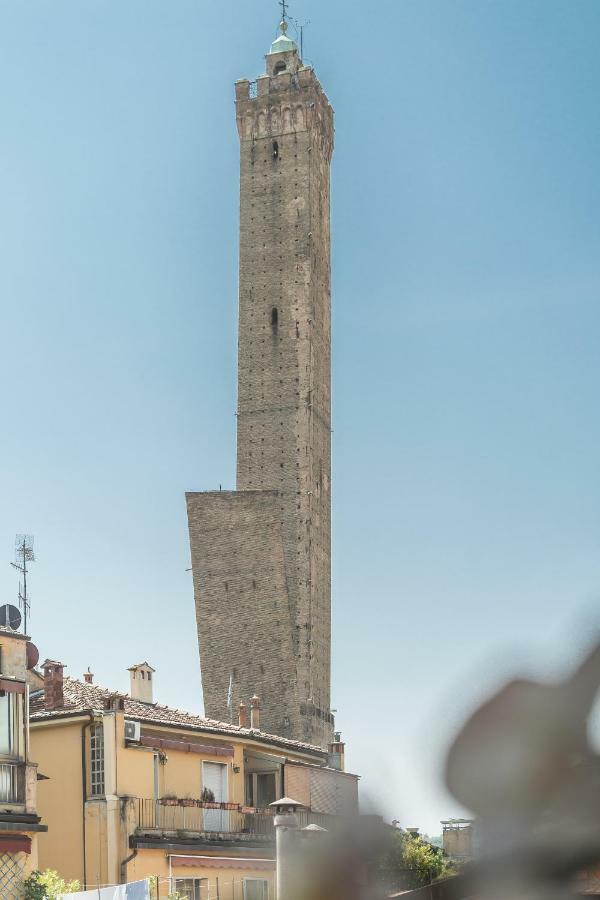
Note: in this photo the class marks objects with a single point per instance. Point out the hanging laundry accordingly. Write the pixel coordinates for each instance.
(106, 893)
(136, 890)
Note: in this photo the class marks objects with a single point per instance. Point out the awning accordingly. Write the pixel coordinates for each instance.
(15, 843)
(224, 862)
(158, 743)
(12, 687)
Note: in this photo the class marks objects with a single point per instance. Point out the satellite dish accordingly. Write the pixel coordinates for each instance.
(33, 656)
(10, 617)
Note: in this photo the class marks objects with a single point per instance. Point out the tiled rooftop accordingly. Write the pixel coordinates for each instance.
(81, 697)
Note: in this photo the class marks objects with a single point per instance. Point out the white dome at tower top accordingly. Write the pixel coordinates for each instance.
(283, 44)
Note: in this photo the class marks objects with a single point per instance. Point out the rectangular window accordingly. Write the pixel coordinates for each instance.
(214, 781)
(265, 789)
(256, 889)
(192, 888)
(261, 789)
(11, 783)
(249, 790)
(9, 724)
(97, 760)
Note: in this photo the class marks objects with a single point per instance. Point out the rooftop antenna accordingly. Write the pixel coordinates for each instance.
(23, 554)
(230, 698)
(300, 26)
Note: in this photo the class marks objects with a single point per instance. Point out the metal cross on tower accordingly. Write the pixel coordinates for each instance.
(284, 6)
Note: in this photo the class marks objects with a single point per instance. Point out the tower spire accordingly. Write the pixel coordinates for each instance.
(284, 17)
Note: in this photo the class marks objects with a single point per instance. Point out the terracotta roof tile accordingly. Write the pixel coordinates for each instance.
(81, 697)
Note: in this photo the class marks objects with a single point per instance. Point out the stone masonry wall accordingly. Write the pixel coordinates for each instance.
(279, 519)
(244, 617)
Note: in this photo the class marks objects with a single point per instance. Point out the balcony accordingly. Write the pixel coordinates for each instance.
(214, 820)
(12, 783)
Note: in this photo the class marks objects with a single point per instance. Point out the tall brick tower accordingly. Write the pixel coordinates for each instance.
(261, 555)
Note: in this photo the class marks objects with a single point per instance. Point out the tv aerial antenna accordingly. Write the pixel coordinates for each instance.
(300, 26)
(23, 554)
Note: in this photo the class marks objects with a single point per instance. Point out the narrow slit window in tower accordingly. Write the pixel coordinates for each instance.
(275, 150)
(274, 318)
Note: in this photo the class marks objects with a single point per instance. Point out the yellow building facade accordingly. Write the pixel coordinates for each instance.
(135, 789)
(20, 823)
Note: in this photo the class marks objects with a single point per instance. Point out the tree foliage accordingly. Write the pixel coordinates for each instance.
(410, 862)
(48, 885)
(174, 895)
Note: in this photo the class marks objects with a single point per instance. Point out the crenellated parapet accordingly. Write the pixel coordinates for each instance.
(287, 102)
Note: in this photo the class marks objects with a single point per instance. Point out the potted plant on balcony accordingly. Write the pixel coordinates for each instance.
(187, 801)
(208, 799)
(168, 800)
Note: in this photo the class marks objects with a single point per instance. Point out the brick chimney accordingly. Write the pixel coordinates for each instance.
(243, 713)
(255, 713)
(88, 676)
(54, 697)
(141, 682)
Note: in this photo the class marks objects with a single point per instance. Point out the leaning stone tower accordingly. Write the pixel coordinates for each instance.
(261, 555)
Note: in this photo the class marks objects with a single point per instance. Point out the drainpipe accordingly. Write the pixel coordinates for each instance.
(26, 724)
(124, 865)
(84, 728)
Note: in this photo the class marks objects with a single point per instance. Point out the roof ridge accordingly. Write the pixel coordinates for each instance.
(161, 712)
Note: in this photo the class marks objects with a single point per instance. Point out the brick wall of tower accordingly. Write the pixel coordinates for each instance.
(284, 405)
(244, 619)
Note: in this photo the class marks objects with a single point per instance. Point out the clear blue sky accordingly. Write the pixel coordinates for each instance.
(466, 223)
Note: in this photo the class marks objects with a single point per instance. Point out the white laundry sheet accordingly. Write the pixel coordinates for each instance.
(137, 890)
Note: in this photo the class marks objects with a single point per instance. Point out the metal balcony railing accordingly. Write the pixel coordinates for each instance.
(157, 815)
(12, 783)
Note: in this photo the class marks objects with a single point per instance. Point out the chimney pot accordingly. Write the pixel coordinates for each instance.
(243, 715)
(88, 676)
(255, 713)
(141, 676)
(114, 702)
(337, 751)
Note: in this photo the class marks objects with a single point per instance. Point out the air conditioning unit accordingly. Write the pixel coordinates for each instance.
(133, 731)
